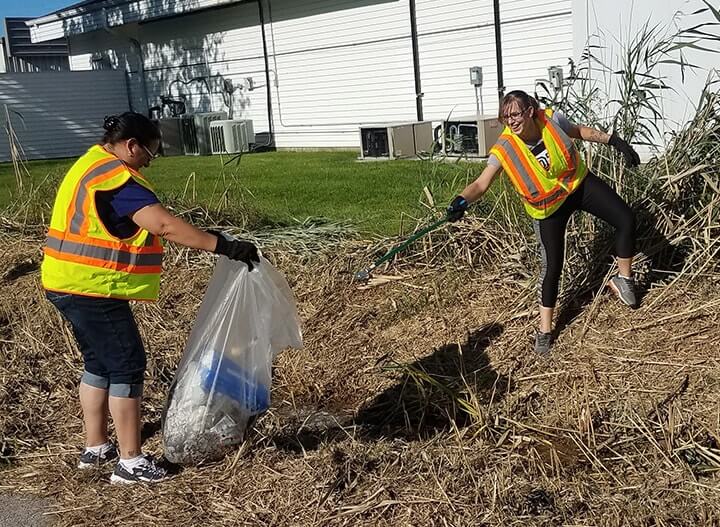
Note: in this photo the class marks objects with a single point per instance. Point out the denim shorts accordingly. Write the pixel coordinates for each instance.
(109, 340)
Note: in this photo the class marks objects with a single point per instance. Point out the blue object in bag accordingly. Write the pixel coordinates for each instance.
(226, 376)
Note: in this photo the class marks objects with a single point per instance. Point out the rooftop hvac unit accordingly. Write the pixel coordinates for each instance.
(196, 132)
(396, 140)
(231, 137)
(171, 143)
(470, 136)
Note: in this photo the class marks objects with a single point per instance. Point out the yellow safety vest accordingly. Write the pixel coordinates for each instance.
(81, 256)
(543, 191)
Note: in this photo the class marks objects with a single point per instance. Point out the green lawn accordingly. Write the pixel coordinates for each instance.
(281, 187)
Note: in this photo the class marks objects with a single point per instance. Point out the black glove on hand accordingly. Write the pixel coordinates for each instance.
(631, 156)
(457, 208)
(236, 250)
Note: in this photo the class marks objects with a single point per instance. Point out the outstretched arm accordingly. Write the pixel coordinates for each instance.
(477, 188)
(585, 133)
(472, 192)
(578, 131)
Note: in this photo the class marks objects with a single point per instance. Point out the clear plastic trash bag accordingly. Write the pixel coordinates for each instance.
(223, 380)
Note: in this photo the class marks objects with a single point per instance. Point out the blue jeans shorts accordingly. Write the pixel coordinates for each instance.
(109, 340)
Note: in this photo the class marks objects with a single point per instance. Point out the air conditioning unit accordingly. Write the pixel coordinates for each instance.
(396, 140)
(196, 132)
(231, 137)
(171, 132)
(469, 136)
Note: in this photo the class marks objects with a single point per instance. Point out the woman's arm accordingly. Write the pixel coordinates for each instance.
(160, 222)
(472, 193)
(578, 131)
(477, 188)
(585, 133)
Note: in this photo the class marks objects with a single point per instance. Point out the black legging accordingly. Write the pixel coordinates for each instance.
(593, 196)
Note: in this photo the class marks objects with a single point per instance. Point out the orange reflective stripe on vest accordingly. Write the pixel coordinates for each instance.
(519, 167)
(119, 258)
(543, 190)
(81, 256)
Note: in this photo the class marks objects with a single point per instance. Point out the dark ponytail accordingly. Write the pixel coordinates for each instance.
(130, 125)
(522, 98)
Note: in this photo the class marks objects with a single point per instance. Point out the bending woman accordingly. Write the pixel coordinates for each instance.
(537, 152)
(104, 249)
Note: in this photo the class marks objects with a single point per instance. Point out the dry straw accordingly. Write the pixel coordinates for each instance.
(416, 400)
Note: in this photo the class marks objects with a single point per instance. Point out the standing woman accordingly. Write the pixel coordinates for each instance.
(103, 249)
(537, 152)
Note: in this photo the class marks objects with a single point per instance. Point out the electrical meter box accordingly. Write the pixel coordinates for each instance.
(396, 140)
(469, 136)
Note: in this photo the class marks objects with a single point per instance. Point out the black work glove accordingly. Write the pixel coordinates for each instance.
(457, 208)
(236, 250)
(631, 156)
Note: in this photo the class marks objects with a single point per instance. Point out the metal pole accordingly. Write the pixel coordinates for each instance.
(416, 60)
(498, 49)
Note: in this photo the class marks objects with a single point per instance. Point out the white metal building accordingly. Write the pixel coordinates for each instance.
(311, 71)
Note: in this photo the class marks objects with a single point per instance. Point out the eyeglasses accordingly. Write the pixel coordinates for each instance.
(513, 116)
(149, 153)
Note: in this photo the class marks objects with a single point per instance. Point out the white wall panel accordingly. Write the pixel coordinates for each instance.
(529, 49)
(338, 64)
(526, 9)
(452, 37)
(54, 125)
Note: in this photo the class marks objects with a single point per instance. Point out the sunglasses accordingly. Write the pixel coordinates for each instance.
(149, 153)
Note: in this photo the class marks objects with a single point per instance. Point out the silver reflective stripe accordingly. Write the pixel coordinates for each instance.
(103, 253)
(77, 219)
(547, 200)
(519, 167)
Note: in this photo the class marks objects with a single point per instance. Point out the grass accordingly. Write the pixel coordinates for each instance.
(282, 187)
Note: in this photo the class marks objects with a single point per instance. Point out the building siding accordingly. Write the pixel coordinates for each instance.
(453, 37)
(125, 13)
(48, 123)
(336, 64)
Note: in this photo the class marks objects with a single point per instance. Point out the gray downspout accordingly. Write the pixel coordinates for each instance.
(416, 60)
(271, 139)
(498, 49)
(141, 66)
(141, 71)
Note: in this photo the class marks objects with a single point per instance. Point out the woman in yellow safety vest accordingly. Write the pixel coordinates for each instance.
(104, 249)
(537, 152)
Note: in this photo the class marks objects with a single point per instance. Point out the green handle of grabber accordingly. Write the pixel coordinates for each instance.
(410, 240)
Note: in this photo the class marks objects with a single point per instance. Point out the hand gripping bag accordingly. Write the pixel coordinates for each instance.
(224, 377)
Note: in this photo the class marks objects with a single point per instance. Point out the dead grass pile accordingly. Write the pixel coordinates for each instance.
(413, 403)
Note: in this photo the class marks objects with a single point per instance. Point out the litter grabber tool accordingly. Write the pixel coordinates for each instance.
(364, 275)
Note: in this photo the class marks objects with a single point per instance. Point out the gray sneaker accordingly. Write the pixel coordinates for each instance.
(624, 288)
(90, 460)
(543, 342)
(149, 471)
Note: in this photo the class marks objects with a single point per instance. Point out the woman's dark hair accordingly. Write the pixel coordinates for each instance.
(130, 125)
(524, 100)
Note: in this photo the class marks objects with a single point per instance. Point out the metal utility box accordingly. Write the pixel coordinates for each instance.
(171, 133)
(196, 132)
(395, 140)
(231, 137)
(469, 136)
